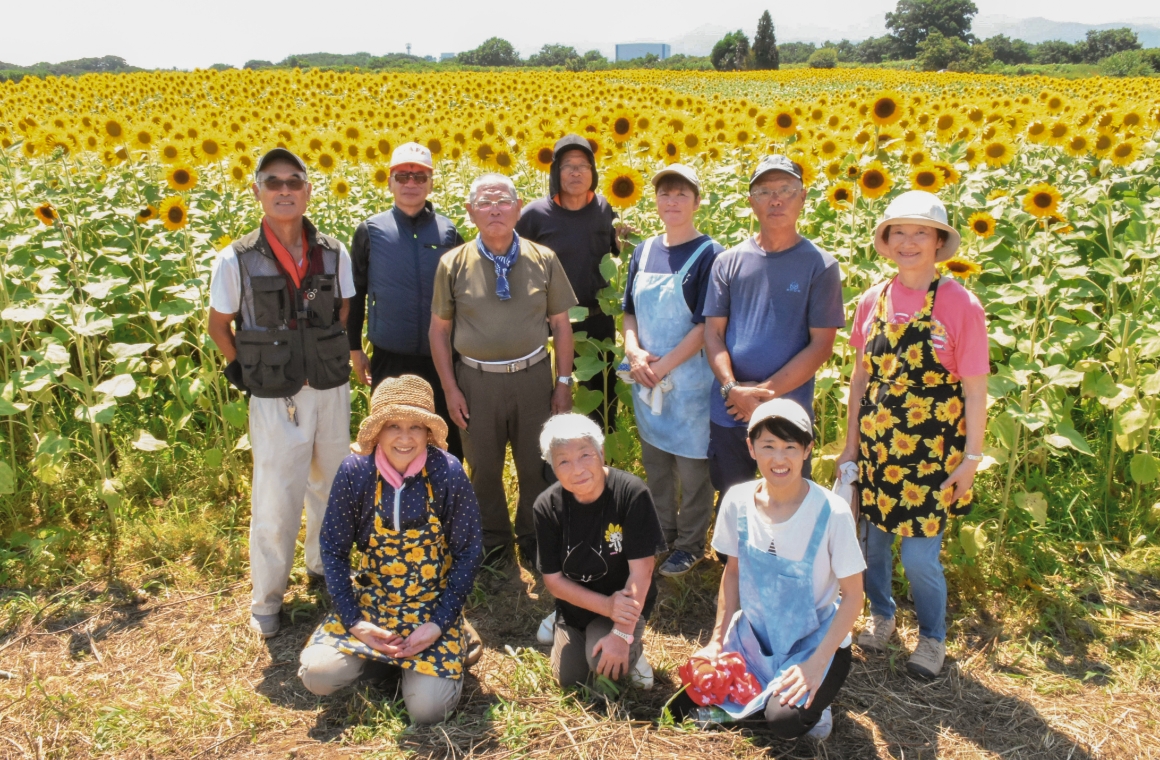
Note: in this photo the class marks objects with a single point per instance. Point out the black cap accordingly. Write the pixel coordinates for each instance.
(562, 146)
(280, 154)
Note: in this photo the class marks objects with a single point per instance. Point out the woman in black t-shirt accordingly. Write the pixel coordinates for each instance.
(598, 533)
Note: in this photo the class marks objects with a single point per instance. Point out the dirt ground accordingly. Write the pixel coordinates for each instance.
(163, 667)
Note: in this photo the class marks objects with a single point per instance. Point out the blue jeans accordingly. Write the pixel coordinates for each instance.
(928, 585)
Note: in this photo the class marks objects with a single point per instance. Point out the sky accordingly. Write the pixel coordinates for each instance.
(185, 36)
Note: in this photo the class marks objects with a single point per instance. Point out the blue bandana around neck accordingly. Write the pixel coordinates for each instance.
(503, 265)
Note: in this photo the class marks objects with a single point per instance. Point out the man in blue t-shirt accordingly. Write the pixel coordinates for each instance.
(773, 308)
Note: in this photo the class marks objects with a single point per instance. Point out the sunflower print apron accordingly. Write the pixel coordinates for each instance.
(397, 583)
(912, 428)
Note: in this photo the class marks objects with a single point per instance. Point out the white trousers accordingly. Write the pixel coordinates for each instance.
(429, 699)
(294, 466)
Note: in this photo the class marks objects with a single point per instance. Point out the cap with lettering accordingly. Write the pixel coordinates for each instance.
(412, 153)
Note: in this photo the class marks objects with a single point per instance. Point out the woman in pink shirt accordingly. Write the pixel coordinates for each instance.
(918, 412)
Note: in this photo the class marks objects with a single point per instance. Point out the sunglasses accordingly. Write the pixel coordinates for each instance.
(274, 184)
(404, 177)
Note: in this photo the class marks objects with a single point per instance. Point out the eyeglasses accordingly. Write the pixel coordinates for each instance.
(404, 177)
(504, 204)
(575, 168)
(764, 194)
(274, 184)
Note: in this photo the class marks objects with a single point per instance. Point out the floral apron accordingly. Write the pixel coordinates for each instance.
(778, 626)
(663, 320)
(912, 428)
(397, 583)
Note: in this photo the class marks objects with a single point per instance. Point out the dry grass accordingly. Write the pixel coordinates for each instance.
(175, 672)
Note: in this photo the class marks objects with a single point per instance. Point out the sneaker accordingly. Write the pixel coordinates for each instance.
(877, 632)
(641, 675)
(678, 563)
(473, 643)
(547, 632)
(265, 626)
(822, 729)
(927, 660)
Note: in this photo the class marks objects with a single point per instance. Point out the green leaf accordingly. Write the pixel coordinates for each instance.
(236, 413)
(608, 267)
(973, 538)
(588, 367)
(7, 479)
(7, 408)
(1144, 468)
(1035, 503)
(1066, 436)
(585, 400)
(577, 313)
(146, 442)
(22, 314)
(618, 447)
(117, 387)
(127, 350)
(101, 412)
(1063, 376)
(213, 458)
(1002, 427)
(1099, 384)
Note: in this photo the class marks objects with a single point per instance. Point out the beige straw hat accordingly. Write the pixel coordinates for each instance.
(919, 207)
(401, 398)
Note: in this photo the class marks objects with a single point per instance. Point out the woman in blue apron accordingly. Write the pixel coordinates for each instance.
(792, 586)
(407, 508)
(668, 278)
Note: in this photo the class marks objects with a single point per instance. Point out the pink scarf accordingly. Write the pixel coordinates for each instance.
(391, 475)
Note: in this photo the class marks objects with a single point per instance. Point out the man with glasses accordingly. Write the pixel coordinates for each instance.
(577, 224)
(287, 288)
(394, 255)
(773, 308)
(496, 300)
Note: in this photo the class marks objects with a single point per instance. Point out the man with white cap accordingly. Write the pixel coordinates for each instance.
(287, 287)
(773, 309)
(394, 256)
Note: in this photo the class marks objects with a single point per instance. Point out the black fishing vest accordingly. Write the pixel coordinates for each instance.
(290, 336)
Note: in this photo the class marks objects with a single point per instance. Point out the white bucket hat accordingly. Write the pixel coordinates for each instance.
(919, 207)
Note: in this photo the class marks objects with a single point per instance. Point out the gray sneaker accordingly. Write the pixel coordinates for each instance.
(822, 729)
(928, 657)
(877, 632)
(265, 626)
(678, 564)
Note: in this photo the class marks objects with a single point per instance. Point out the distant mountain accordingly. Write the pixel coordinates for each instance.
(1036, 30)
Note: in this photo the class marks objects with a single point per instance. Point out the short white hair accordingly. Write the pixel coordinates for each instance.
(566, 428)
(492, 179)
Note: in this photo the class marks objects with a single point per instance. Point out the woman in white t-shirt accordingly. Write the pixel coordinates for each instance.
(792, 586)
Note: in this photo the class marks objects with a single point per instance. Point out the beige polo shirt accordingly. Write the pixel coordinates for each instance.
(486, 328)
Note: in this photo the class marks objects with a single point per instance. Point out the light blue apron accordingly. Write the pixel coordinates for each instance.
(778, 626)
(663, 320)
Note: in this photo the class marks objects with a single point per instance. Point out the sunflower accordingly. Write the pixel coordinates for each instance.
(1042, 200)
(840, 194)
(1103, 145)
(998, 152)
(222, 241)
(784, 122)
(1077, 146)
(670, 150)
(913, 495)
(326, 161)
(887, 108)
(930, 525)
(982, 224)
(238, 172)
(540, 156)
(381, 177)
(622, 125)
(340, 187)
(146, 215)
(1125, 153)
(927, 177)
(181, 178)
(950, 173)
(961, 268)
(623, 186)
(173, 213)
(46, 213)
(875, 181)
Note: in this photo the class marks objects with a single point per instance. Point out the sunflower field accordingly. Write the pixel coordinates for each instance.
(117, 190)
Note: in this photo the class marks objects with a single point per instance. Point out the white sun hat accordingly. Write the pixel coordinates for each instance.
(919, 207)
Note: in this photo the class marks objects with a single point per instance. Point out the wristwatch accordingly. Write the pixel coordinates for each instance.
(626, 636)
(566, 380)
(728, 387)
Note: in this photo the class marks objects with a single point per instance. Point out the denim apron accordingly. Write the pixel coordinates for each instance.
(663, 319)
(778, 626)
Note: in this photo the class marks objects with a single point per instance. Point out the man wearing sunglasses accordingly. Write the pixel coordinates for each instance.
(286, 287)
(394, 255)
